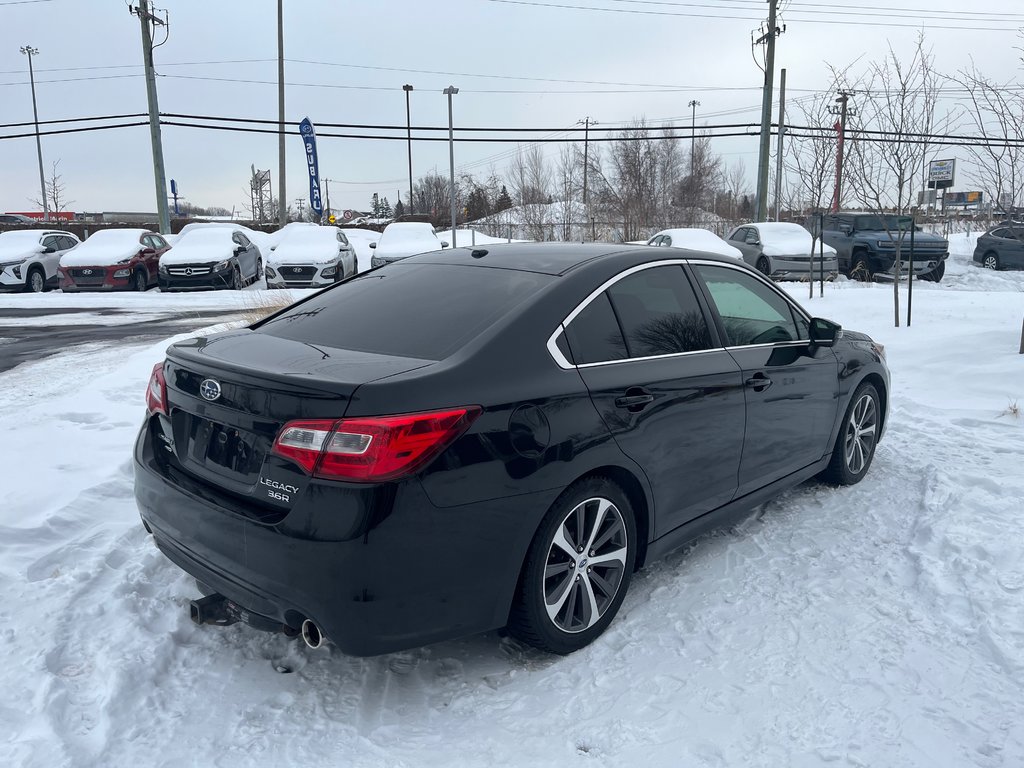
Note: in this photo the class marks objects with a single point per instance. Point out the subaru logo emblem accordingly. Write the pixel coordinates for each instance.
(209, 389)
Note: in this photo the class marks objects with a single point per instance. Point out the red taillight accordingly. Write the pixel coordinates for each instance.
(156, 392)
(372, 449)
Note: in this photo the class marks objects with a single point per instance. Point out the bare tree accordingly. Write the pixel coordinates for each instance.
(55, 197)
(627, 192)
(695, 192)
(900, 102)
(570, 189)
(996, 112)
(670, 170)
(531, 189)
(811, 159)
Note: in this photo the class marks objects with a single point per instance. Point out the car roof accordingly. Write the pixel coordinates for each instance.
(552, 258)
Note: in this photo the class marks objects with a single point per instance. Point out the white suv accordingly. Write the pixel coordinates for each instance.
(29, 258)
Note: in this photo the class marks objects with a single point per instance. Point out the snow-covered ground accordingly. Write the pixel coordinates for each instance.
(878, 625)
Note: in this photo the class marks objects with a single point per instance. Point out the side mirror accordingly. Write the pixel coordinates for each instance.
(752, 240)
(239, 249)
(825, 333)
(444, 243)
(49, 249)
(148, 252)
(373, 245)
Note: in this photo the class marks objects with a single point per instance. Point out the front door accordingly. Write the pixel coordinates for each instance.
(792, 387)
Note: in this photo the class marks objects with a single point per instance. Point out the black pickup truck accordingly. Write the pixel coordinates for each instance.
(866, 245)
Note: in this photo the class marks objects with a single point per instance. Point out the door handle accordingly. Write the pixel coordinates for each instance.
(759, 382)
(635, 399)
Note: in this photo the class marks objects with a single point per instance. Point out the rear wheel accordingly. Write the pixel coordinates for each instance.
(764, 266)
(36, 282)
(577, 569)
(139, 281)
(991, 261)
(855, 445)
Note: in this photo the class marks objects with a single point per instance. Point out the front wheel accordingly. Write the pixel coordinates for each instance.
(36, 282)
(577, 569)
(139, 281)
(855, 445)
(259, 269)
(236, 279)
(936, 274)
(764, 266)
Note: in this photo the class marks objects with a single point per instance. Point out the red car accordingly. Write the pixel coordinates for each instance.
(113, 259)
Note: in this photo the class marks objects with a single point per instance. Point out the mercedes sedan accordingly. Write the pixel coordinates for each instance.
(472, 439)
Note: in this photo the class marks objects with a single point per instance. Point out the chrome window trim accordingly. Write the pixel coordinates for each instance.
(565, 364)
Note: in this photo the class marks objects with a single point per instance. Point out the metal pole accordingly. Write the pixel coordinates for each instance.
(766, 115)
(587, 122)
(29, 51)
(821, 254)
(159, 179)
(843, 98)
(408, 128)
(451, 90)
(327, 198)
(693, 156)
(782, 133)
(910, 272)
(282, 195)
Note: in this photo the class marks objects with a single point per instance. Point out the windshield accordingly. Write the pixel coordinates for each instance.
(886, 223)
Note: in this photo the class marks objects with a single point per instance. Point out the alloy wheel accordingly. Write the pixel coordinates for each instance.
(861, 429)
(991, 261)
(36, 283)
(585, 565)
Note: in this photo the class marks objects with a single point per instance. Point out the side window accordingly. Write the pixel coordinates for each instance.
(68, 243)
(751, 312)
(594, 335)
(739, 234)
(241, 239)
(659, 314)
(666, 240)
(342, 239)
(158, 242)
(1004, 232)
(656, 240)
(51, 241)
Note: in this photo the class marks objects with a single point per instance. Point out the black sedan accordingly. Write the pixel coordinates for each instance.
(1001, 247)
(482, 438)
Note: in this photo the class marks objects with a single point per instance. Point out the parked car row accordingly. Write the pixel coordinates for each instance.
(201, 256)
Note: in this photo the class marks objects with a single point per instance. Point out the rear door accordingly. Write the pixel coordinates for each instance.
(792, 388)
(1014, 248)
(669, 394)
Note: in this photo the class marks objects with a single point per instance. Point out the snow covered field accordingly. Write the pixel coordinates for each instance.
(879, 625)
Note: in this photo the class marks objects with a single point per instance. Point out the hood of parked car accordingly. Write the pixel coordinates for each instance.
(920, 238)
(198, 253)
(104, 249)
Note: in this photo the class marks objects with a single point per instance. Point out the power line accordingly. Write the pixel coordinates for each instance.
(814, 8)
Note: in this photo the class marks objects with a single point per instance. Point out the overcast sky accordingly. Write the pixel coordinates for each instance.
(90, 58)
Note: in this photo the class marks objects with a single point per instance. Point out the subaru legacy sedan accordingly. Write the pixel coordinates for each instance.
(473, 439)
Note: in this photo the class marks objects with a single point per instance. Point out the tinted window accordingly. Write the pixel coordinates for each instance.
(594, 335)
(342, 239)
(158, 242)
(739, 234)
(751, 312)
(410, 310)
(51, 242)
(658, 313)
(1004, 232)
(241, 239)
(67, 242)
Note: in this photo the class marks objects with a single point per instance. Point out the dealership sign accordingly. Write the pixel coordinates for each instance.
(941, 173)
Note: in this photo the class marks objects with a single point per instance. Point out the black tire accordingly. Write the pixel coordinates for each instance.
(935, 276)
(236, 279)
(35, 281)
(990, 260)
(857, 438)
(140, 282)
(764, 266)
(596, 512)
(861, 269)
(259, 270)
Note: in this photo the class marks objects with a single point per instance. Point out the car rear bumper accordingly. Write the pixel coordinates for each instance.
(406, 574)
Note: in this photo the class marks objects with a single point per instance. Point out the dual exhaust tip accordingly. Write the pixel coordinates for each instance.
(218, 610)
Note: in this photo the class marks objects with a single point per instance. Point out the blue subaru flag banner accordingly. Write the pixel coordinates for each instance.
(309, 140)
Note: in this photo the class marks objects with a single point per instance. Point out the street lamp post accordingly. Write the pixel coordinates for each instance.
(408, 127)
(693, 158)
(450, 91)
(29, 51)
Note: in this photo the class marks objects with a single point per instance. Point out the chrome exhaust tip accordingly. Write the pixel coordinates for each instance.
(311, 634)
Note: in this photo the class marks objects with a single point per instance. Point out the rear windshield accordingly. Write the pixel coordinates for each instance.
(426, 311)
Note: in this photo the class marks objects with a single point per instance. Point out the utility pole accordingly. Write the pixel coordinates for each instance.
(450, 91)
(281, 193)
(408, 127)
(782, 133)
(327, 199)
(767, 38)
(693, 158)
(843, 111)
(29, 51)
(148, 21)
(587, 122)
(300, 202)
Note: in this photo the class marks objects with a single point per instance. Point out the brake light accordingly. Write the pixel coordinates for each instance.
(156, 392)
(373, 449)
